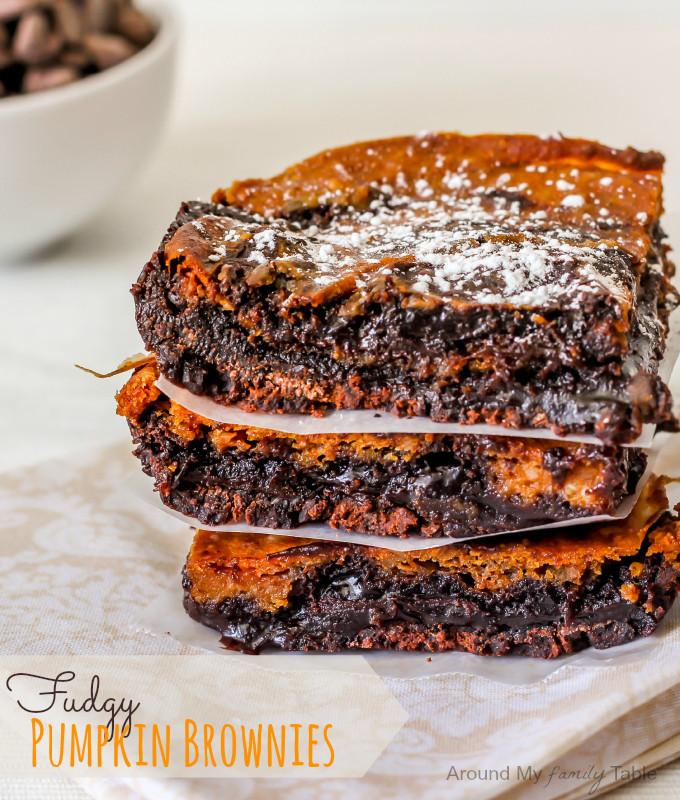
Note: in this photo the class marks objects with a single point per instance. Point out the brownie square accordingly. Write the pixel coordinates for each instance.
(534, 596)
(513, 280)
(431, 485)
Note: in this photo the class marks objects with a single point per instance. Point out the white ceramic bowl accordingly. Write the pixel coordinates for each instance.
(66, 152)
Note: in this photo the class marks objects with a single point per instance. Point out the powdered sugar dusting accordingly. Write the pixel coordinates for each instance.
(573, 201)
(481, 249)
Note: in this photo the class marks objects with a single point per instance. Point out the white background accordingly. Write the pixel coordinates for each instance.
(262, 84)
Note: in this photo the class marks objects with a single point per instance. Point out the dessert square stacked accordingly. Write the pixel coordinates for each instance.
(438, 337)
(539, 596)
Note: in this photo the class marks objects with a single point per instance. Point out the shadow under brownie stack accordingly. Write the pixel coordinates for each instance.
(445, 346)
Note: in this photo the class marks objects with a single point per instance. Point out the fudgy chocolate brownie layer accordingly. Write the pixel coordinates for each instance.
(349, 605)
(507, 382)
(394, 485)
(419, 286)
(519, 597)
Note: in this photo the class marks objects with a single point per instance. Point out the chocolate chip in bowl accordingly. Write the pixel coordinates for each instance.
(85, 86)
(50, 43)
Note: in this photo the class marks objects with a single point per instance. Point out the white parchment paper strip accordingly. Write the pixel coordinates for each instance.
(363, 421)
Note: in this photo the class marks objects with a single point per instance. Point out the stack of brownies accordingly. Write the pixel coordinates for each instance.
(437, 337)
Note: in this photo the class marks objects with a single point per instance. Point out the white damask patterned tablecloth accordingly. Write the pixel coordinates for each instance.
(79, 555)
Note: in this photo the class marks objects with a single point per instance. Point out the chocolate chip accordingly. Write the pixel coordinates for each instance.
(99, 14)
(67, 39)
(37, 79)
(34, 42)
(69, 20)
(134, 25)
(75, 56)
(107, 49)
(6, 57)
